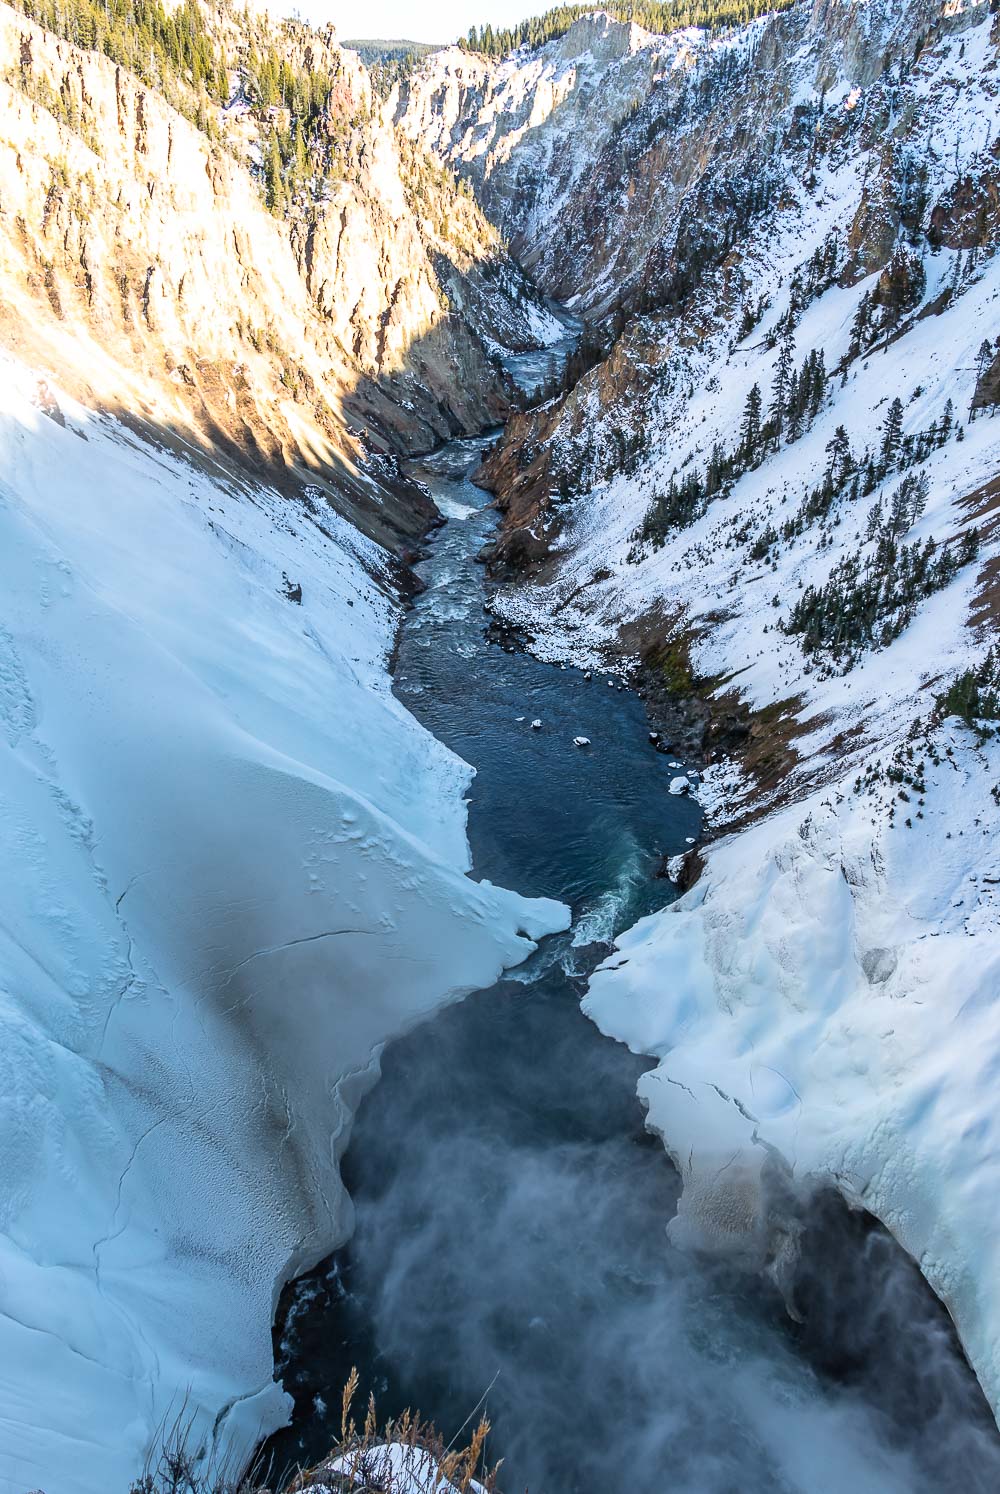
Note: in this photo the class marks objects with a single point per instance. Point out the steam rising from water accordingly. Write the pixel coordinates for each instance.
(516, 1238)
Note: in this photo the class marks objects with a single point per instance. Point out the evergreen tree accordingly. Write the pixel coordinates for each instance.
(716, 470)
(793, 410)
(983, 358)
(750, 428)
(783, 371)
(891, 436)
(840, 459)
(817, 382)
(274, 184)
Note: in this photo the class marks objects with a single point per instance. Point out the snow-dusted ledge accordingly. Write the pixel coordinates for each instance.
(232, 867)
(828, 990)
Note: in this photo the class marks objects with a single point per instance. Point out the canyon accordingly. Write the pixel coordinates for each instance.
(246, 284)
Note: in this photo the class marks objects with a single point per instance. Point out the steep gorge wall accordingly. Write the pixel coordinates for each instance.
(142, 268)
(599, 153)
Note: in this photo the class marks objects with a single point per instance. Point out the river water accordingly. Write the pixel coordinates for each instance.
(509, 1246)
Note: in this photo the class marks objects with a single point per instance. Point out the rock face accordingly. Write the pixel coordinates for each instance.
(526, 129)
(720, 145)
(142, 267)
(611, 152)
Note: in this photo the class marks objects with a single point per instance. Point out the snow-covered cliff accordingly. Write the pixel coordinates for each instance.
(771, 494)
(602, 150)
(233, 865)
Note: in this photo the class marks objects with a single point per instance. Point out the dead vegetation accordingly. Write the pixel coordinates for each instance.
(405, 1455)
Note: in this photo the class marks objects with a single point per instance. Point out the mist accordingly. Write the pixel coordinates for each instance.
(510, 1247)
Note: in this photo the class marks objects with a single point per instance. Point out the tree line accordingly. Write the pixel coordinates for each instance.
(144, 36)
(658, 16)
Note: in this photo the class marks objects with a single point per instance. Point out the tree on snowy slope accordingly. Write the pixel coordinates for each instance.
(750, 428)
(782, 376)
(841, 462)
(891, 436)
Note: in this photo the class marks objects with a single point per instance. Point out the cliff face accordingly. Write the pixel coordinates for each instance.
(601, 153)
(142, 268)
(708, 165)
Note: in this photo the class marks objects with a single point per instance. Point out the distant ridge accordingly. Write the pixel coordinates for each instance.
(384, 49)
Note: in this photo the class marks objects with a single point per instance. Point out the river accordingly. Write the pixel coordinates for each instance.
(509, 1241)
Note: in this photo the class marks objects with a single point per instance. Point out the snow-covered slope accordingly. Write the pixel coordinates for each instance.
(823, 1002)
(233, 866)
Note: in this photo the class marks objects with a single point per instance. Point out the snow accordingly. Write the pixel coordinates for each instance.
(234, 867)
(396, 1467)
(829, 992)
(679, 785)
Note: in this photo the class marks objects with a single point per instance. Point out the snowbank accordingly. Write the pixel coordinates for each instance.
(827, 991)
(233, 866)
(397, 1467)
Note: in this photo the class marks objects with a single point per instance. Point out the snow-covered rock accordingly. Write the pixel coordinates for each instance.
(826, 995)
(680, 785)
(394, 1466)
(581, 741)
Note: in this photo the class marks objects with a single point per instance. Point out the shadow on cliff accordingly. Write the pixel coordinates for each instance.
(344, 457)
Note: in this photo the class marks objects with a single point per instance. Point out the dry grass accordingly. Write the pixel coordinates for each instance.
(402, 1456)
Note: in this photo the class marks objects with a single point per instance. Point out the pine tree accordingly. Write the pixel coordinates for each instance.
(274, 185)
(782, 373)
(840, 462)
(898, 521)
(984, 357)
(793, 412)
(891, 435)
(716, 469)
(750, 426)
(817, 383)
